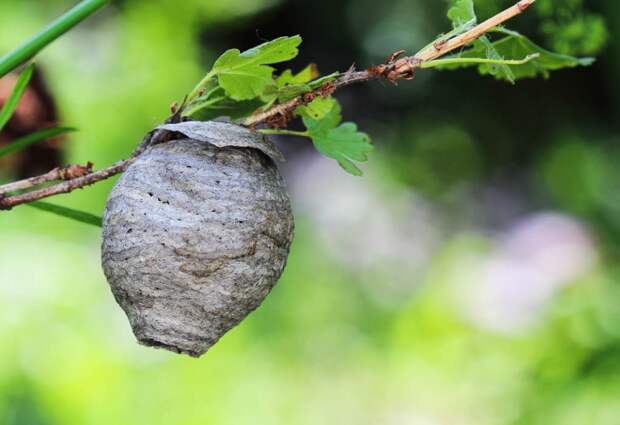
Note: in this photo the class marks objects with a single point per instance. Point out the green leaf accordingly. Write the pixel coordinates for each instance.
(289, 85)
(307, 74)
(316, 109)
(81, 216)
(463, 17)
(32, 138)
(499, 71)
(329, 121)
(516, 46)
(214, 104)
(462, 13)
(225, 107)
(20, 87)
(245, 75)
(340, 142)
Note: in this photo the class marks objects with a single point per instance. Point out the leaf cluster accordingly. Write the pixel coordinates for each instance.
(240, 83)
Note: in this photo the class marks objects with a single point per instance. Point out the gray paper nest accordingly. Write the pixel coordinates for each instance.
(196, 232)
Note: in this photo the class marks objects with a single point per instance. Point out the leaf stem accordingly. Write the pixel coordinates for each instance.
(457, 61)
(31, 47)
(190, 109)
(283, 132)
(194, 93)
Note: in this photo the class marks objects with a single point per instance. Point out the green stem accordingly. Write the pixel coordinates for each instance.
(458, 61)
(31, 47)
(190, 109)
(202, 83)
(279, 132)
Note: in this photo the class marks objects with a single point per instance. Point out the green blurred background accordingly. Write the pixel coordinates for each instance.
(471, 277)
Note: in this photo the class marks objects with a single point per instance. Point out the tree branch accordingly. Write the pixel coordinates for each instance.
(8, 202)
(65, 173)
(395, 68)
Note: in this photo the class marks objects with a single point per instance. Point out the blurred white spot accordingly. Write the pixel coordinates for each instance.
(365, 227)
(537, 257)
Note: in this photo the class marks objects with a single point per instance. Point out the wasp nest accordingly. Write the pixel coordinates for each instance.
(196, 232)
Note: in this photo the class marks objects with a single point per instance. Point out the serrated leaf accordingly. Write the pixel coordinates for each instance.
(32, 138)
(316, 109)
(329, 121)
(81, 216)
(246, 75)
(288, 85)
(516, 46)
(11, 103)
(340, 142)
(309, 73)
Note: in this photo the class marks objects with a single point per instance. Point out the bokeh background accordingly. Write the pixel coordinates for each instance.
(472, 276)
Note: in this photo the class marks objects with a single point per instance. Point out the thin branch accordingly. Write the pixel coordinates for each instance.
(65, 173)
(345, 79)
(395, 69)
(76, 176)
(8, 202)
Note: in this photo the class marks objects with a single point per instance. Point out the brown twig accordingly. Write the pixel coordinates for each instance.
(59, 173)
(395, 68)
(8, 202)
(282, 109)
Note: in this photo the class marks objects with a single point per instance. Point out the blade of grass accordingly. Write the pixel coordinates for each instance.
(32, 138)
(31, 47)
(20, 87)
(81, 216)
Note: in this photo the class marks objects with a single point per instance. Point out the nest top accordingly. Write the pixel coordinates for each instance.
(223, 134)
